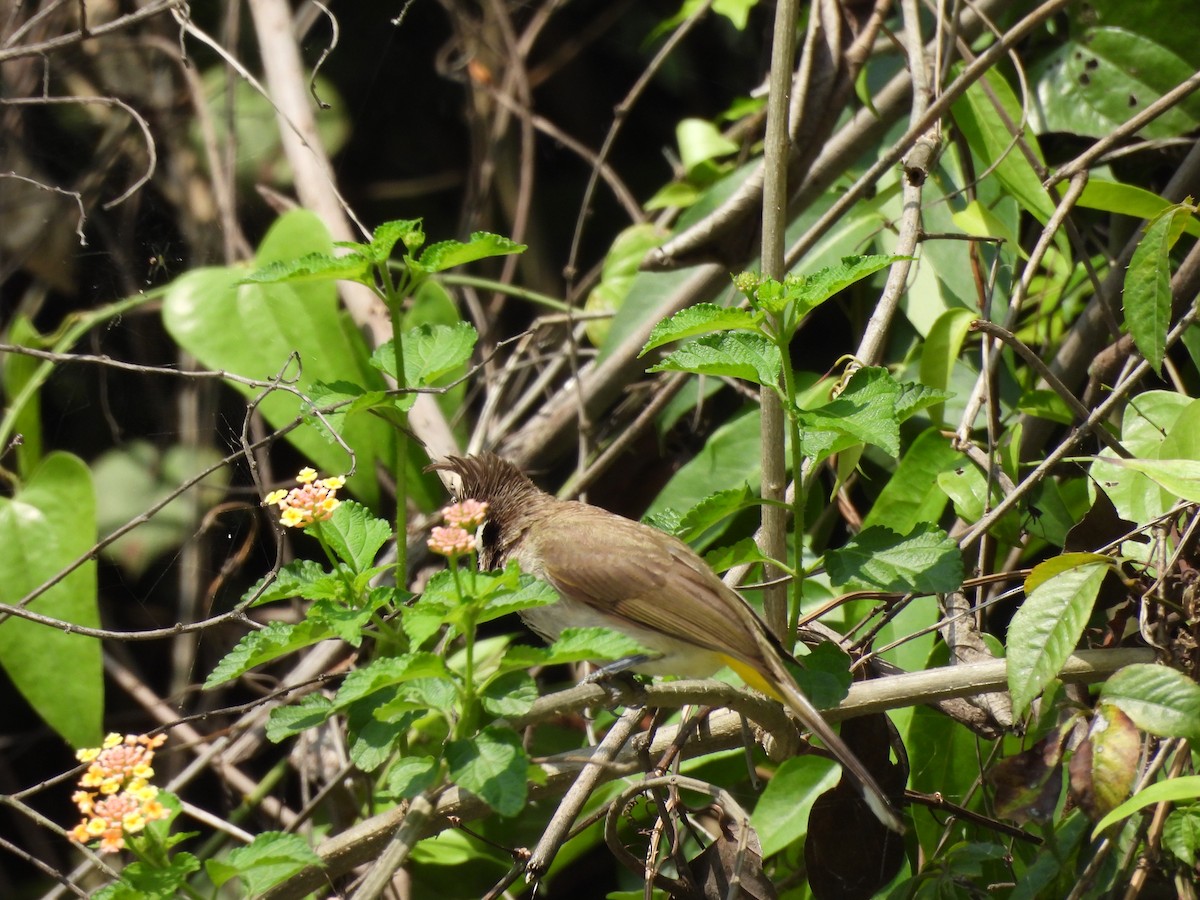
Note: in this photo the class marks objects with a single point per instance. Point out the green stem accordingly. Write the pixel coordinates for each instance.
(500, 287)
(797, 582)
(394, 293)
(467, 721)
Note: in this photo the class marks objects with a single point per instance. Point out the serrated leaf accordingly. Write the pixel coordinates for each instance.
(287, 721)
(431, 352)
(1147, 291)
(808, 292)
(700, 319)
(916, 397)
(302, 578)
(574, 645)
(1046, 629)
(409, 777)
(926, 561)
(864, 413)
(143, 881)
(270, 859)
(386, 672)
(409, 231)
(1181, 834)
(714, 509)
(1158, 699)
(491, 766)
(750, 357)
(354, 534)
(482, 245)
(313, 267)
(744, 552)
(258, 647)
(509, 694)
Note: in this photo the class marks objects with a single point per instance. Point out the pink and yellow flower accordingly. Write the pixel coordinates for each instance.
(121, 800)
(314, 501)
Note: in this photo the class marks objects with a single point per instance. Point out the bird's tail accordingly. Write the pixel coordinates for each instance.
(780, 685)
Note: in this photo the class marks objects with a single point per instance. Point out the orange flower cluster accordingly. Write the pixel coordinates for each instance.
(118, 798)
(314, 501)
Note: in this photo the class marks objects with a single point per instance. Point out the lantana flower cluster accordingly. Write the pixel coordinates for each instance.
(117, 798)
(314, 501)
(457, 536)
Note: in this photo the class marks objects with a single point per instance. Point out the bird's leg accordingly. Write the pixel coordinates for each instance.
(617, 679)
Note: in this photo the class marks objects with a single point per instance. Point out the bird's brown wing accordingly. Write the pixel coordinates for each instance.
(648, 578)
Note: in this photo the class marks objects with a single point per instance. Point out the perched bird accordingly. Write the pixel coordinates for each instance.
(612, 572)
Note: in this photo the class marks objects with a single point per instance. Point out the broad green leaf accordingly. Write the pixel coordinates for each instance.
(144, 881)
(1171, 791)
(942, 347)
(1046, 628)
(574, 645)
(1101, 77)
(1160, 700)
(912, 494)
(781, 815)
(700, 319)
(1147, 291)
(1181, 477)
(700, 142)
(744, 552)
(17, 373)
(1130, 200)
(621, 266)
(992, 142)
(355, 534)
(46, 526)
(482, 245)
(750, 357)
(808, 292)
(252, 330)
(299, 578)
(1057, 565)
(491, 766)
(258, 647)
(978, 220)
(925, 561)
(271, 858)
(430, 352)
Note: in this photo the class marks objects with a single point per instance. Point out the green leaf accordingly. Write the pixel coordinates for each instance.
(510, 694)
(354, 534)
(700, 142)
(926, 561)
(313, 267)
(574, 645)
(1160, 700)
(865, 413)
(744, 552)
(300, 578)
(991, 141)
(1130, 200)
(431, 351)
(271, 858)
(252, 330)
(912, 494)
(409, 231)
(258, 647)
(1105, 764)
(482, 245)
(700, 319)
(289, 721)
(781, 815)
(1147, 291)
(1102, 77)
(1171, 791)
(715, 509)
(1181, 833)
(808, 292)
(410, 776)
(46, 526)
(750, 357)
(144, 881)
(492, 767)
(1180, 477)
(1047, 626)
(386, 672)
(942, 347)
(621, 266)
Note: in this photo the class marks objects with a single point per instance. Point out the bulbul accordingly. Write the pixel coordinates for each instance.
(612, 572)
